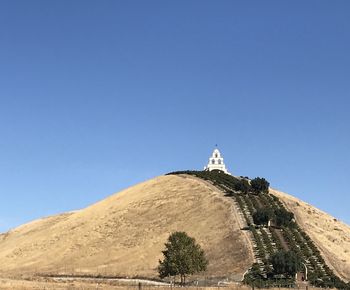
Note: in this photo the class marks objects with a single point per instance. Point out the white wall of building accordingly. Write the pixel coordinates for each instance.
(216, 161)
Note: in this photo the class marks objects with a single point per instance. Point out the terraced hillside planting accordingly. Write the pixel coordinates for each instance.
(281, 234)
(330, 235)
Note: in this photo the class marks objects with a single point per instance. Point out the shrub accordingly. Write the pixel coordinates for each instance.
(260, 185)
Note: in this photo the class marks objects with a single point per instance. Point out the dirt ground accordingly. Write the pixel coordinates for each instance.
(74, 285)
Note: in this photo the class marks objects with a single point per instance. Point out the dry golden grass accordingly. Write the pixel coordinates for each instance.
(125, 233)
(330, 235)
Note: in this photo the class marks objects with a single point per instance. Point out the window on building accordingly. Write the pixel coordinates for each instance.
(212, 161)
(219, 161)
(216, 155)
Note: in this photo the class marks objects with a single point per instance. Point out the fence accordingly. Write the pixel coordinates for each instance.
(94, 284)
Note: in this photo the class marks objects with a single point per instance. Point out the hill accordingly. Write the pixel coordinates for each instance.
(124, 234)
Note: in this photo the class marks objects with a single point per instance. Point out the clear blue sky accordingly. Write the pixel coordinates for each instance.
(96, 96)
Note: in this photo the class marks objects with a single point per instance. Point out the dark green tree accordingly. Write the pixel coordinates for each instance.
(285, 262)
(262, 216)
(182, 256)
(242, 185)
(283, 217)
(260, 185)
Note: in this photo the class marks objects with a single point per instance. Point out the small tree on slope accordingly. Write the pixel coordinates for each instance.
(260, 185)
(262, 216)
(182, 256)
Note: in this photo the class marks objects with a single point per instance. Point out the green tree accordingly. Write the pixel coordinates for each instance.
(262, 216)
(242, 185)
(283, 217)
(182, 256)
(260, 185)
(285, 262)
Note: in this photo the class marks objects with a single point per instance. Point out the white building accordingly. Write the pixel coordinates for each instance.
(216, 161)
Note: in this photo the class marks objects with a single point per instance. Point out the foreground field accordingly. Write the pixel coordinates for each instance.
(71, 284)
(49, 285)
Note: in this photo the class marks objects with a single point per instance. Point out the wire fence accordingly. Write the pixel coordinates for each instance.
(93, 284)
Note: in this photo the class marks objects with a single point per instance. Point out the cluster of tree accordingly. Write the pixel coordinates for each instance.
(256, 185)
(260, 185)
(182, 256)
(243, 186)
(281, 217)
(262, 216)
(286, 263)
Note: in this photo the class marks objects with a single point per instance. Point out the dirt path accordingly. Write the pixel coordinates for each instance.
(281, 238)
(120, 280)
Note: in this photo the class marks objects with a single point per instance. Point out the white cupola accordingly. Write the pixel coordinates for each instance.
(216, 161)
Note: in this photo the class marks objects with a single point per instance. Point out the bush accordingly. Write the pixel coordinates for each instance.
(260, 185)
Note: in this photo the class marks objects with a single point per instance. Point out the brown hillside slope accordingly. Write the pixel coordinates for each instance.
(125, 233)
(331, 236)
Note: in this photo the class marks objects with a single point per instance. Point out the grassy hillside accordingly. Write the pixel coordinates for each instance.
(124, 234)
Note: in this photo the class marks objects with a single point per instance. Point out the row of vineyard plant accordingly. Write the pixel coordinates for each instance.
(275, 235)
